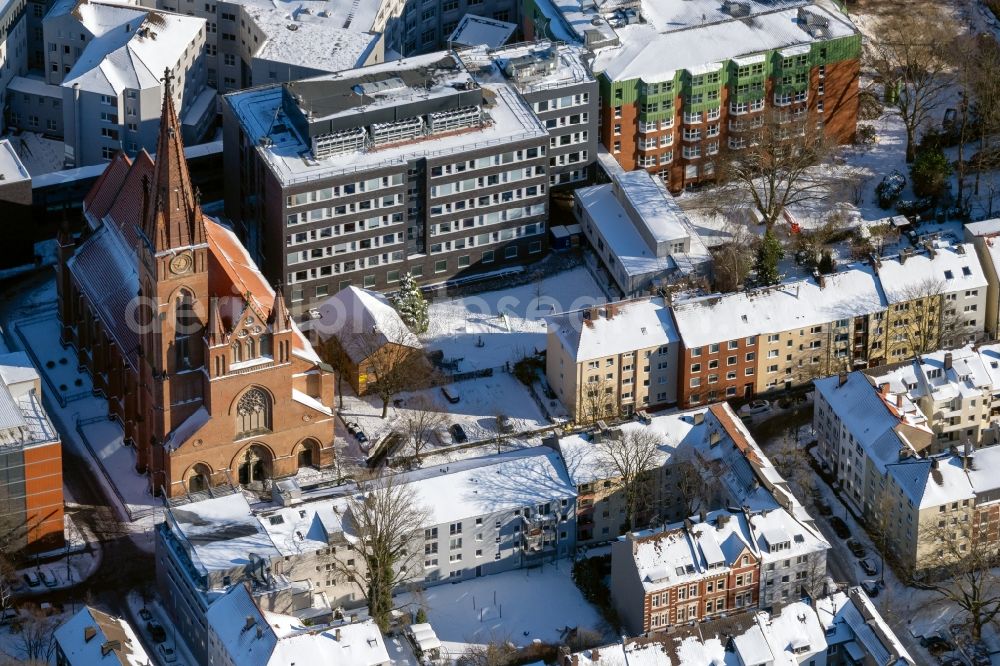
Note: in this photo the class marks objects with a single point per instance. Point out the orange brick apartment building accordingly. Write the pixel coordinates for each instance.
(31, 513)
(199, 359)
(664, 109)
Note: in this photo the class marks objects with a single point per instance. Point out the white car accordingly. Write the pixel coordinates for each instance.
(756, 407)
(444, 436)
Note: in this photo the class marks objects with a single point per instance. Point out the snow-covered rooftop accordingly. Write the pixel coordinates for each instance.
(943, 375)
(475, 30)
(784, 307)
(362, 321)
(654, 51)
(853, 617)
(11, 168)
(23, 420)
(529, 67)
(304, 36)
(223, 532)
(638, 219)
(94, 637)
(615, 328)
(130, 47)
(941, 270)
(507, 119)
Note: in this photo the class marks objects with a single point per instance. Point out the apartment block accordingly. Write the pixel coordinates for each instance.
(689, 572)
(642, 237)
(957, 391)
(409, 166)
(31, 514)
(555, 81)
(485, 515)
(984, 236)
(936, 297)
(669, 103)
(92, 636)
(103, 87)
(878, 446)
(839, 628)
(613, 359)
(736, 346)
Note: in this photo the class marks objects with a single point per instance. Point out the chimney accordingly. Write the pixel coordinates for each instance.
(248, 625)
(595, 654)
(899, 401)
(960, 249)
(339, 634)
(947, 361)
(934, 463)
(822, 281)
(903, 254)
(703, 515)
(883, 388)
(841, 379)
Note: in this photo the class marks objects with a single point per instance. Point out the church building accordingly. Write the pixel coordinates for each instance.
(211, 379)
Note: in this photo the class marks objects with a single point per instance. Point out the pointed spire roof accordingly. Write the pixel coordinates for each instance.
(216, 327)
(172, 216)
(280, 320)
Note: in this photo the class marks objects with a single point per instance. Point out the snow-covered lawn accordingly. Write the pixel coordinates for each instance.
(520, 606)
(488, 330)
(115, 460)
(480, 401)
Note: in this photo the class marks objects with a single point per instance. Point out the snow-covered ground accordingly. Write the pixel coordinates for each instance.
(101, 439)
(480, 401)
(493, 328)
(521, 606)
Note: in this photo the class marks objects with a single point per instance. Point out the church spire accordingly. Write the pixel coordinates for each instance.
(279, 313)
(216, 327)
(172, 216)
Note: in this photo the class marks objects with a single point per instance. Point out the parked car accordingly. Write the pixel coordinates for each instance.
(868, 566)
(840, 527)
(48, 579)
(450, 395)
(361, 436)
(458, 433)
(936, 644)
(156, 631)
(870, 587)
(824, 508)
(756, 407)
(352, 427)
(167, 653)
(444, 436)
(145, 613)
(857, 550)
(31, 578)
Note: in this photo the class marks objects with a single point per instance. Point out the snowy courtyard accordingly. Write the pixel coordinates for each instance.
(520, 606)
(493, 328)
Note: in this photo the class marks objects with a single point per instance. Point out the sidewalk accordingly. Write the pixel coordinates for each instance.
(81, 418)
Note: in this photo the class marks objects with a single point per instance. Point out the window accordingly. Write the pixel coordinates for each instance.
(253, 411)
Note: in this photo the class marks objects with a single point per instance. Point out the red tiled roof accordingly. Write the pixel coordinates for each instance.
(126, 210)
(102, 195)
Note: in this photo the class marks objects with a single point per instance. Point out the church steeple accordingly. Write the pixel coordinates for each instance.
(279, 319)
(172, 216)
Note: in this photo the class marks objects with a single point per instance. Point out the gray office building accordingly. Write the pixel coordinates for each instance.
(556, 82)
(358, 177)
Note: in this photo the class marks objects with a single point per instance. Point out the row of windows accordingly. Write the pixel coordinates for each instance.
(313, 235)
(470, 184)
(328, 212)
(488, 200)
(488, 161)
(561, 102)
(345, 190)
(488, 239)
(343, 248)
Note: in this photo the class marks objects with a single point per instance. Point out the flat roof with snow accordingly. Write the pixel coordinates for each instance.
(288, 155)
(563, 65)
(311, 39)
(614, 328)
(11, 168)
(475, 30)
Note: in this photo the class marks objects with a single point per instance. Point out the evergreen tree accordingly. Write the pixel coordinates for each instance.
(769, 253)
(410, 304)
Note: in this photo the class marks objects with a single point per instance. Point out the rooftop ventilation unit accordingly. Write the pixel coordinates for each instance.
(736, 9)
(334, 143)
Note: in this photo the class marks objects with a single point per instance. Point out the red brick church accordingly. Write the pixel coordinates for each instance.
(196, 353)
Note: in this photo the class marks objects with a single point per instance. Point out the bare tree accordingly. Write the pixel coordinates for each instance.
(732, 261)
(628, 457)
(422, 419)
(389, 357)
(496, 652)
(963, 572)
(692, 489)
(771, 165)
(385, 520)
(8, 575)
(501, 426)
(978, 59)
(35, 641)
(598, 400)
(911, 57)
(921, 320)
